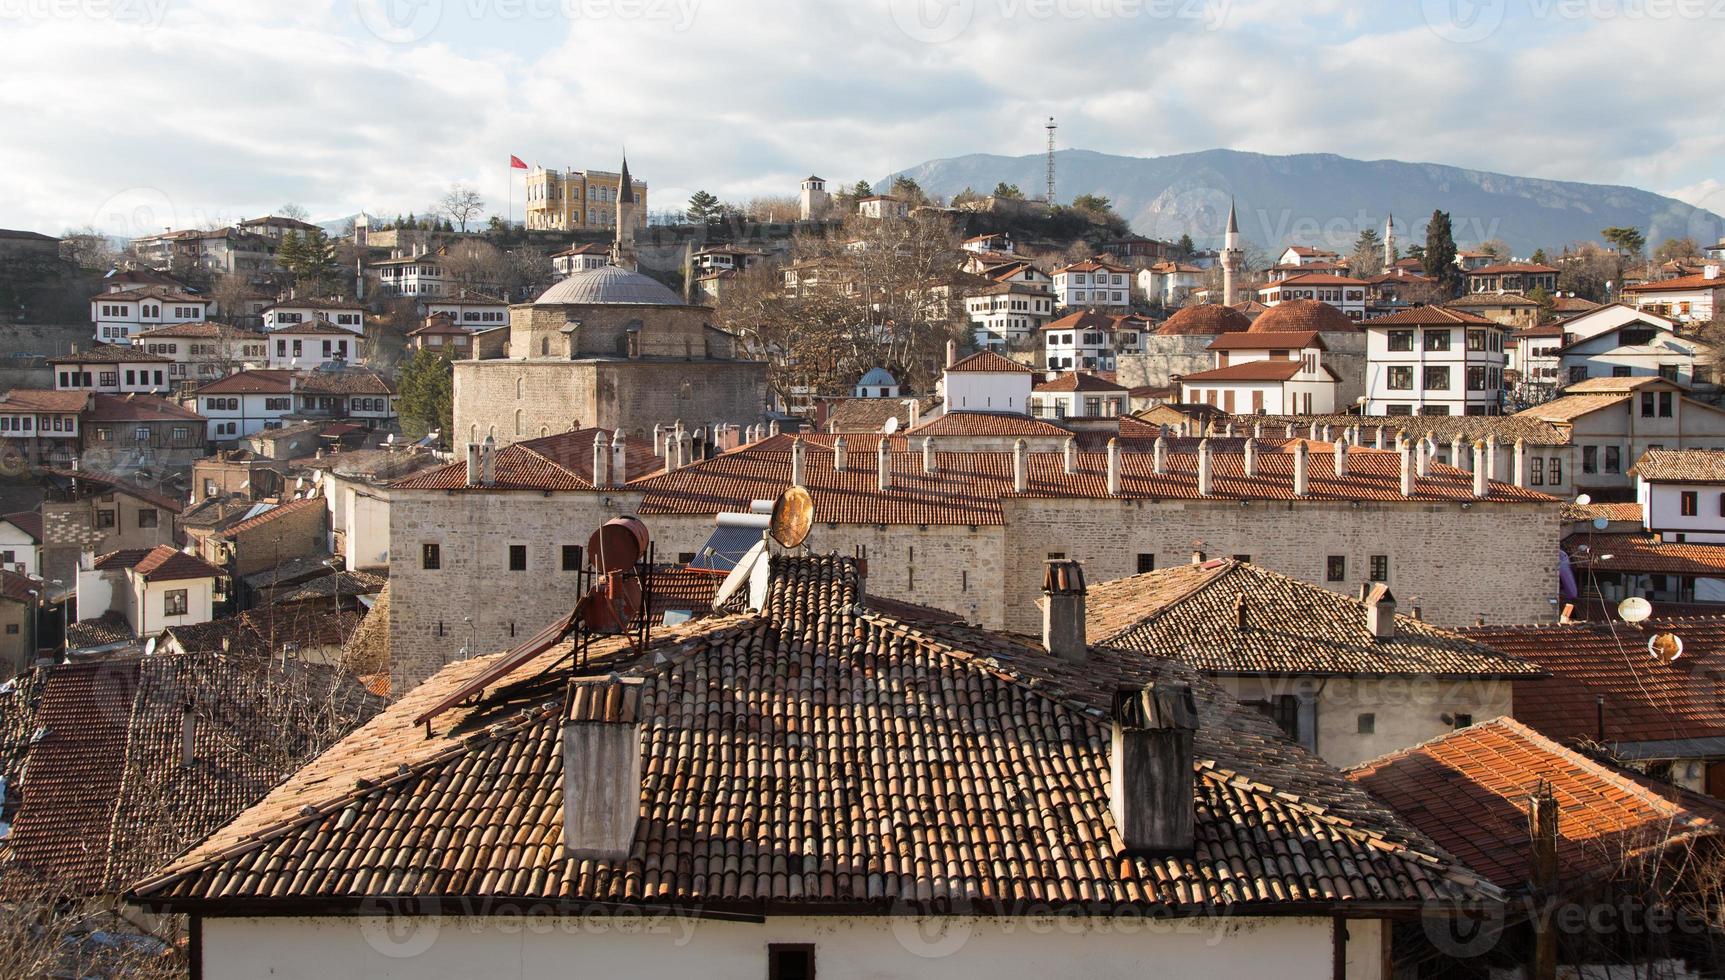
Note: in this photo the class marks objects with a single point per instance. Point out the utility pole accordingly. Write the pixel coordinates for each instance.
(1542, 821)
(1051, 127)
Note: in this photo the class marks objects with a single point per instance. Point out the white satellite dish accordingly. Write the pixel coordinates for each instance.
(1601, 523)
(739, 575)
(389, 440)
(150, 647)
(891, 426)
(1665, 647)
(1634, 609)
(1583, 500)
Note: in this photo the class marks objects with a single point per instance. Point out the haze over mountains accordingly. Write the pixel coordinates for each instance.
(1324, 199)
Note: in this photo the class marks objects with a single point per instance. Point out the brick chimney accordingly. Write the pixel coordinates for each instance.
(1150, 767)
(1020, 467)
(1063, 610)
(601, 767)
(1380, 612)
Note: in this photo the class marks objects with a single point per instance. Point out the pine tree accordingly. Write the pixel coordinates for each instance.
(1368, 256)
(862, 189)
(427, 395)
(1439, 255)
(1009, 191)
(290, 255)
(1185, 246)
(703, 207)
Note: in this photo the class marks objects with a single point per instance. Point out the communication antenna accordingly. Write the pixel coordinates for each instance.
(1634, 609)
(793, 515)
(890, 426)
(1051, 128)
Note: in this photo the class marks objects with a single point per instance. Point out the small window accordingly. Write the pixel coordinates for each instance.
(1056, 556)
(571, 558)
(1147, 560)
(1336, 568)
(430, 556)
(1691, 502)
(148, 518)
(104, 518)
(518, 558)
(174, 602)
(1463, 720)
(790, 961)
(1368, 723)
(11, 629)
(1380, 568)
(1243, 559)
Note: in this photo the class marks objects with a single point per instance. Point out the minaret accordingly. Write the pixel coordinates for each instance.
(623, 249)
(1231, 257)
(1389, 243)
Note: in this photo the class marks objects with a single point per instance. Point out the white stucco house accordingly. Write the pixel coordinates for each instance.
(313, 344)
(113, 369)
(346, 314)
(1694, 298)
(1430, 360)
(1682, 494)
(1342, 292)
(119, 314)
(1093, 284)
(1265, 374)
(987, 382)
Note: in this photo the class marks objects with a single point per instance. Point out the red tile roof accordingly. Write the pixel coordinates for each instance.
(557, 462)
(1246, 371)
(1302, 315)
(1470, 791)
(1681, 466)
(262, 381)
(111, 354)
(43, 400)
(271, 515)
(1680, 284)
(1082, 320)
(1645, 553)
(1314, 279)
(988, 362)
(138, 408)
(1512, 268)
(203, 329)
(28, 521)
(984, 424)
(165, 563)
(1079, 381)
(1430, 316)
(121, 486)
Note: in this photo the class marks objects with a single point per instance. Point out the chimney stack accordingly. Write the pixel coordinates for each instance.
(1063, 610)
(839, 455)
(1341, 458)
(1519, 465)
(1407, 455)
(1114, 467)
(1427, 449)
(929, 466)
(601, 461)
(1481, 488)
(473, 464)
(1457, 458)
(685, 449)
(1159, 458)
(619, 459)
(488, 461)
(601, 768)
(1250, 451)
(1150, 767)
(951, 353)
(1378, 440)
(798, 461)
(1491, 457)
(1381, 612)
(883, 464)
(188, 734)
(1069, 456)
(1204, 468)
(659, 439)
(1300, 454)
(915, 412)
(1020, 467)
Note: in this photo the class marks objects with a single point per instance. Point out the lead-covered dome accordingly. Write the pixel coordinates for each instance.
(609, 286)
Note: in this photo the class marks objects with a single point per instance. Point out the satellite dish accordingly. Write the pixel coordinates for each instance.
(1583, 500)
(150, 647)
(618, 544)
(739, 575)
(1601, 523)
(891, 426)
(1634, 609)
(389, 440)
(793, 513)
(1665, 647)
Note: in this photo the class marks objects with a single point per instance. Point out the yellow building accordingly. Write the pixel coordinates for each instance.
(578, 199)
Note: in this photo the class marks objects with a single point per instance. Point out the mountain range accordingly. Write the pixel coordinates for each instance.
(1325, 199)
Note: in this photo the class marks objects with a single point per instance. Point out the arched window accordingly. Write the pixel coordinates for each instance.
(520, 388)
(473, 434)
(520, 417)
(544, 346)
(544, 430)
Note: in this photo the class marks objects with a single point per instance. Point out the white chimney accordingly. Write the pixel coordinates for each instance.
(1381, 612)
(1204, 468)
(1378, 440)
(601, 461)
(839, 455)
(1520, 465)
(1407, 455)
(473, 464)
(1341, 453)
(1481, 488)
(601, 768)
(951, 353)
(1427, 449)
(1710, 272)
(1159, 457)
(1020, 467)
(928, 464)
(883, 464)
(1300, 454)
(659, 439)
(1491, 457)
(798, 461)
(1063, 610)
(619, 459)
(488, 461)
(915, 412)
(1114, 467)
(685, 450)
(1150, 763)
(1250, 452)
(1457, 458)
(1069, 456)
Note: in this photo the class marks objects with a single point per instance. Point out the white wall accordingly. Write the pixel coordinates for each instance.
(1662, 510)
(24, 550)
(977, 391)
(147, 608)
(507, 948)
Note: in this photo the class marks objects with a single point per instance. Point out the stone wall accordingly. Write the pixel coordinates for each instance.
(569, 332)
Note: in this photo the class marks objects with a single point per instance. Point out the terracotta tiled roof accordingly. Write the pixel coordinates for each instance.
(1645, 700)
(968, 487)
(1301, 315)
(1629, 511)
(165, 563)
(1679, 284)
(315, 303)
(974, 765)
(988, 362)
(203, 330)
(1430, 316)
(163, 293)
(261, 381)
(43, 400)
(273, 514)
(1092, 265)
(350, 381)
(106, 796)
(1470, 791)
(316, 327)
(1079, 381)
(1194, 614)
(986, 424)
(1204, 319)
(558, 462)
(1646, 553)
(138, 408)
(1567, 408)
(1572, 304)
(1082, 320)
(1491, 301)
(20, 588)
(1511, 268)
(110, 354)
(269, 631)
(28, 521)
(1681, 466)
(1261, 371)
(1506, 428)
(1595, 386)
(870, 414)
(121, 486)
(1314, 279)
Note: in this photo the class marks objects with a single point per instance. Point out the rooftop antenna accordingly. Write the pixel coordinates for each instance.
(1051, 127)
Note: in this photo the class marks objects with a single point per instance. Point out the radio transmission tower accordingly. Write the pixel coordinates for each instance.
(1051, 128)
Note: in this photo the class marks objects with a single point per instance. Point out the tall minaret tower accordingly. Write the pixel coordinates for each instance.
(1232, 255)
(623, 249)
(1389, 243)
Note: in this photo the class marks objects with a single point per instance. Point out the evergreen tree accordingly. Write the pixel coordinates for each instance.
(1368, 257)
(1538, 257)
(906, 188)
(862, 189)
(427, 395)
(703, 207)
(1627, 241)
(290, 255)
(1439, 255)
(1185, 246)
(1008, 191)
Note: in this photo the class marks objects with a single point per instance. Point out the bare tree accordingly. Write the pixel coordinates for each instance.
(293, 211)
(462, 204)
(88, 248)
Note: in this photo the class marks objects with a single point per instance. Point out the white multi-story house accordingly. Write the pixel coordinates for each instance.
(1090, 341)
(1531, 353)
(579, 258)
(113, 369)
(725, 258)
(249, 402)
(121, 314)
(1094, 284)
(1342, 292)
(1430, 360)
(882, 206)
(422, 274)
(1008, 314)
(312, 345)
(203, 352)
(1470, 260)
(996, 242)
(1682, 494)
(1520, 278)
(1615, 341)
(1265, 374)
(346, 314)
(1170, 283)
(1697, 298)
(470, 309)
(224, 250)
(1307, 255)
(1078, 394)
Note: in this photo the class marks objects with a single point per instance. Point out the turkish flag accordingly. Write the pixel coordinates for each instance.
(515, 163)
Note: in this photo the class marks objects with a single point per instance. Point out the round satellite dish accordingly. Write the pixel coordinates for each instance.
(1665, 647)
(793, 513)
(1584, 500)
(618, 544)
(891, 426)
(1634, 609)
(1601, 523)
(150, 647)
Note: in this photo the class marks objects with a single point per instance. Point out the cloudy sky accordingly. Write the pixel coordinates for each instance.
(132, 115)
